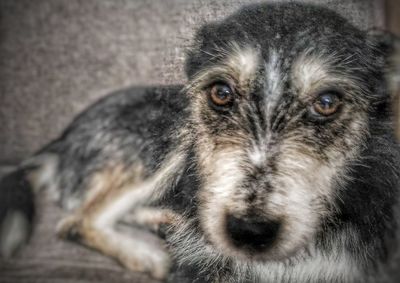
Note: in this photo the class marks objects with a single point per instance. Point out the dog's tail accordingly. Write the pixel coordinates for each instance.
(17, 209)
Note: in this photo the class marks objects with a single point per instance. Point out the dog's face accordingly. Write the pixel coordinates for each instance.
(280, 98)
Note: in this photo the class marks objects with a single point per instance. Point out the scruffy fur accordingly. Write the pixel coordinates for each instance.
(325, 188)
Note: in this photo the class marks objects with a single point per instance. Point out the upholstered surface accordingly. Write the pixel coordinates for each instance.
(57, 57)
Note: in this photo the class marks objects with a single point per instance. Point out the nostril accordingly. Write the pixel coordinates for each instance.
(252, 233)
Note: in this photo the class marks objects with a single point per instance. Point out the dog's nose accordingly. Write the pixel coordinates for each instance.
(252, 233)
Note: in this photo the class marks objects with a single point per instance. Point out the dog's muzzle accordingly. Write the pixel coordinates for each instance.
(252, 233)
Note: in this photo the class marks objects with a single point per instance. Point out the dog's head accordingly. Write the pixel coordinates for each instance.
(281, 99)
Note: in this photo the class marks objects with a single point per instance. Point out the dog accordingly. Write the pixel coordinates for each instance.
(275, 162)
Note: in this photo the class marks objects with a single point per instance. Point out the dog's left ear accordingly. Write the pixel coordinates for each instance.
(386, 47)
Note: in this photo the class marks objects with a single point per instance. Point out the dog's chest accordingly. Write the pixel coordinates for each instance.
(320, 267)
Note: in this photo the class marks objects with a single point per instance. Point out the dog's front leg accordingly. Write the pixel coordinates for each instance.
(111, 196)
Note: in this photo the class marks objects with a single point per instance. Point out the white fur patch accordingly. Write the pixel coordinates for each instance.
(218, 193)
(258, 155)
(274, 76)
(239, 63)
(310, 73)
(244, 60)
(315, 266)
(272, 93)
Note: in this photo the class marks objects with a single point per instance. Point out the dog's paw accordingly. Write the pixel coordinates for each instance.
(69, 229)
(156, 263)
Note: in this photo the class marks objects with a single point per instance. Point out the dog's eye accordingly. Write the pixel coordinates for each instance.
(221, 95)
(327, 103)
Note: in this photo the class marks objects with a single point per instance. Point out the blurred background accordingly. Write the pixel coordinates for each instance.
(59, 56)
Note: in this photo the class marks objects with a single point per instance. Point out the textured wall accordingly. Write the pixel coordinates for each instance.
(58, 56)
